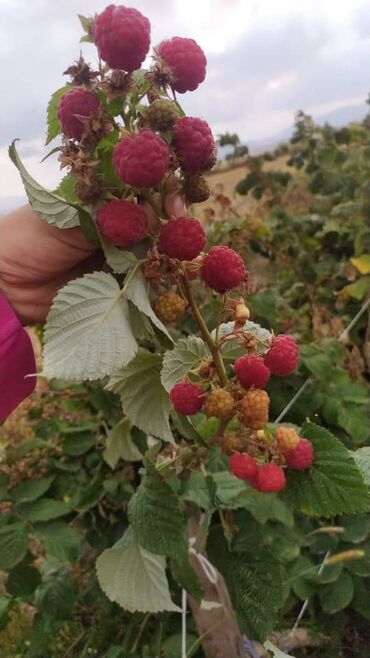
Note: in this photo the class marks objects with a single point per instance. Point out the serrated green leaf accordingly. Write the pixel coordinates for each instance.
(66, 188)
(88, 227)
(361, 598)
(5, 603)
(186, 355)
(333, 485)
(59, 540)
(79, 443)
(155, 516)
(120, 445)
(48, 205)
(13, 545)
(356, 528)
(53, 125)
(144, 400)
(231, 349)
(43, 509)
(44, 630)
(134, 578)
(29, 490)
(137, 293)
(255, 586)
(337, 595)
(87, 334)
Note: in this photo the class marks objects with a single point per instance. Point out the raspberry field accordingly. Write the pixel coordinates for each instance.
(194, 465)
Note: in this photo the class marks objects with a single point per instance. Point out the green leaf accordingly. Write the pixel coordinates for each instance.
(362, 460)
(66, 188)
(361, 598)
(356, 528)
(56, 596)
(333, 485)
(48, 205)
(44, 631)
(87, 334)
(88, 227)
(22, 581)
(30, 490)
(184, 574)
(44, 509)
(155, 516)
(137, 293)
(358, 289)
(53, 125)
(337, 595)
(186, 355)
(134, 578)
(4, 611)
(59, 540)
(13, 545)
(144, 400)
(79, 443)
(119, 260)
(249, 577)
(120, 445)
(362, 263)
(231, 349)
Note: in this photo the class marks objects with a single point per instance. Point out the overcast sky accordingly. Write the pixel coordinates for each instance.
(266, 60)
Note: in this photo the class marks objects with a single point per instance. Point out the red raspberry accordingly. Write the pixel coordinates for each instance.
(193, 144)
(122, 222)
(223, 269)
(187, 398)
(269, 478)
(74, 108)
(187, 62)
(251, 371)
(141, 160)
(182, 238)
(243, 466)
(302, 456)
(282, 358)
(122, 37)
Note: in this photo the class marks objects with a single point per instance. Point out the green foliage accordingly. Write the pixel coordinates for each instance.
(134, 577)
(53, 125)
(333, 484)
(187, 355)
(155, 516)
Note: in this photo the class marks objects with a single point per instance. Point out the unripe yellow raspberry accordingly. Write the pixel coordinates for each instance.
(169, 307)
(233, 443)
(254, 409)
(287, 439)
(219, 403)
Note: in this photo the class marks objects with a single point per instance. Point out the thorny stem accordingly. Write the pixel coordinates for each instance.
(214, 349)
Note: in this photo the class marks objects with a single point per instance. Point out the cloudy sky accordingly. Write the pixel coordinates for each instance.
(266, 60)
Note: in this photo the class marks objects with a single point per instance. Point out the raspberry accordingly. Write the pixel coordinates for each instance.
(233, 443)
(141, 160)
(269, 478)
(88, 192)
(219, 403)
(169, 307)
(187, 398)
(302, 456)
(243, 466)
(196, 189)
(122, 37)
(282, 358)
(254, 409)
(251, 371)
(124, 223)
(223, 269)
(187, 62)
(161, 114)
(193, 144)
(182, 238)
(287, 439)
(74, 109)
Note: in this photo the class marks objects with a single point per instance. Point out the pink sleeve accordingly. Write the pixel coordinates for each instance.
(16, 361)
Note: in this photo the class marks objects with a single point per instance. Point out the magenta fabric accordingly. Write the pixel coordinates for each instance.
(16, 361)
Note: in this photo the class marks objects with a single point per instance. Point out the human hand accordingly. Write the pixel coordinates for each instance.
(37, 259)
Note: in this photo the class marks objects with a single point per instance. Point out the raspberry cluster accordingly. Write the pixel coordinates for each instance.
(134, 155)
